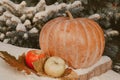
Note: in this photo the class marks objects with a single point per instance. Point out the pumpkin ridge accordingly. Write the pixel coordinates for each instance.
(44, 29)
(82, 30)
(75, 45)
(77, 54)
(49, 36)
(55, 37)
(102, 40)
(99, 32)
(48, 33)
(65, 28)
(43, 37)
(57, 33)
(87, 37)
(94, 31)
(69, 56)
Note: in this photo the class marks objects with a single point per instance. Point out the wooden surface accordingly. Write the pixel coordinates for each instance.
(97, 71)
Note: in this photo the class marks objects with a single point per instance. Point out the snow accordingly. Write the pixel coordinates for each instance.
(109, 75)
(86, 70)
(20, 27)
(9, 73)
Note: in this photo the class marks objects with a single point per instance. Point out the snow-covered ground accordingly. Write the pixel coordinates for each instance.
(8, 73)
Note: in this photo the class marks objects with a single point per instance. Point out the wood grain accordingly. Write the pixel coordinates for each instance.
(97, 71)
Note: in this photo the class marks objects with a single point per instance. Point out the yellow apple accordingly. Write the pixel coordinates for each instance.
(54, 66)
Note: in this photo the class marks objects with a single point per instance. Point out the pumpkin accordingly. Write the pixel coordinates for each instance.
(79, 41)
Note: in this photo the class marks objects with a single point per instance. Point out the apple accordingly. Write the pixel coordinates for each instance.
(54, 66)
(33, 55)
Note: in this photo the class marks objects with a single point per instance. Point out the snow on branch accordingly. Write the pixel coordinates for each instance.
(23, 22)
(37, 12)
(54, 8)
(110, 33)
(94, 16)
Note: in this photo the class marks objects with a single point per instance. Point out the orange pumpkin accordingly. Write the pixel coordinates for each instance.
(80, 41)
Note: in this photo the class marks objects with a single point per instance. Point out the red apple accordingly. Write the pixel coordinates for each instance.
(32, 56)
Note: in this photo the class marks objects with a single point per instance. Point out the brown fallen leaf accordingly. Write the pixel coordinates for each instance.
(14, 62)
(21, 59)
(69, 74)
(39, 66)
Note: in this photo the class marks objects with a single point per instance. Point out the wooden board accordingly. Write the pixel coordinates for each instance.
(100, 69)
(102, 66)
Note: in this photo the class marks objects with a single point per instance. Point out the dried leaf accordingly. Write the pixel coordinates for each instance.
(67, 71)
(69, 74)
(14, 62)
(21, 59)
(39, 66)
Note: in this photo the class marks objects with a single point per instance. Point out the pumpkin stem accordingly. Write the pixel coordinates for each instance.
(69, 14)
